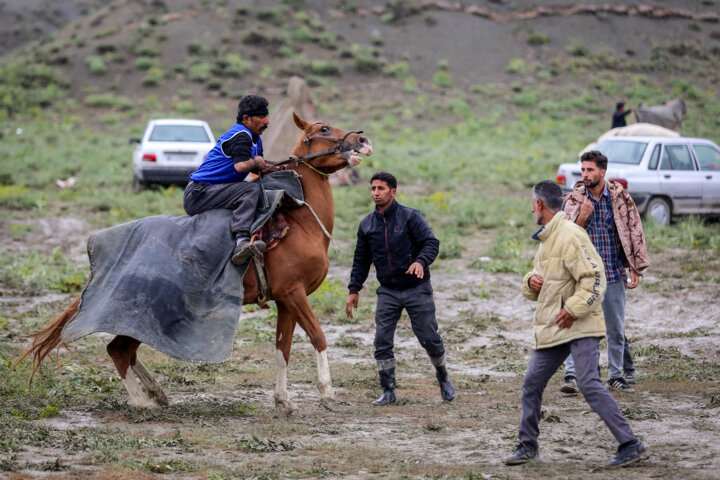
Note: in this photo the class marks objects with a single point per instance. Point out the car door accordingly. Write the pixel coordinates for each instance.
(708, 159)
(679, 179)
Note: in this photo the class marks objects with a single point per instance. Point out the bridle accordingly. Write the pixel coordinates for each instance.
(310, 156)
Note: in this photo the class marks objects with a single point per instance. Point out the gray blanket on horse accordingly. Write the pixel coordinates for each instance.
(168, 282)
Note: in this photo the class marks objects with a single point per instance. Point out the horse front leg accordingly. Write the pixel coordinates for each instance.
(304, 316)
(283, 343)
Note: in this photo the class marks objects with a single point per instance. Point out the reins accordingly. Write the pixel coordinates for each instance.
(309, 156)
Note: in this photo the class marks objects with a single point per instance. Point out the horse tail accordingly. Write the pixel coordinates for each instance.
(47, 339)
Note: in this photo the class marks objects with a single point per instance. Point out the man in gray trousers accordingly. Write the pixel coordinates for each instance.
(568, 283)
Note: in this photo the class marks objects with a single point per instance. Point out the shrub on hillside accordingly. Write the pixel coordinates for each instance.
(324, 67)
(144, 63)
(516, 65)
(155, 76)
(538, 39)
(108, 100)
(200, 72)
(96, 64)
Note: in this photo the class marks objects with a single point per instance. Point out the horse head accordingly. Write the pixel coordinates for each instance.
(327, 148)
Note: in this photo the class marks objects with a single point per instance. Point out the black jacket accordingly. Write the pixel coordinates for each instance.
(392, 241)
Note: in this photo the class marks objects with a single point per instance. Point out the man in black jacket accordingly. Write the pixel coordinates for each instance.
(401, 245)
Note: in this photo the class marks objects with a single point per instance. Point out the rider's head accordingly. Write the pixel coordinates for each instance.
(253, 113)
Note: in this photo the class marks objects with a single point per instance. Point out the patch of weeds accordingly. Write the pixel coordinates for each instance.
(96, 65)
(256, 444)
(33, 272)
(10, 463)
(18, 197)
(432, 427)
(442, 79)
(636, 413)
(537, 39)
(714, 402)
(578, 48)
(329, 297)
(324, 67)
(155, 76)
(347, 342)
(515, 66)
(28, 414)
(505, 255)
(695, 332)
(174, 465)
(670, 364)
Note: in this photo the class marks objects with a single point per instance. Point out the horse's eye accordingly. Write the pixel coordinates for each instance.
(324, 129)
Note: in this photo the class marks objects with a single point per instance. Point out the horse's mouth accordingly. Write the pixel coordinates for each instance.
(353, 156)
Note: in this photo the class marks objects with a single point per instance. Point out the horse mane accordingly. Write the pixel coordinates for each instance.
(46, 340)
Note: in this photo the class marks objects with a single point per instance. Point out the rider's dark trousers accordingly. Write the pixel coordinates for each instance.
(240, 197)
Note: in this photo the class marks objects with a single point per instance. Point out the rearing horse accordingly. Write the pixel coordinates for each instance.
(295, 269)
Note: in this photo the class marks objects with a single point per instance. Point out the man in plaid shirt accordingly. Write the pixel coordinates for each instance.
(610, 217)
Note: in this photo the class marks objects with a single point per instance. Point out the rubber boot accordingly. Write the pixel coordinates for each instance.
(446, 387)
(387, 381)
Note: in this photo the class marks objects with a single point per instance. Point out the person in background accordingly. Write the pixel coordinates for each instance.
(607, 212)
(618, 119)
(398, 241)
(568, 284)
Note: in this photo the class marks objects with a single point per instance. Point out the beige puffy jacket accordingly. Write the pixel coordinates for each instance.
(573, 278)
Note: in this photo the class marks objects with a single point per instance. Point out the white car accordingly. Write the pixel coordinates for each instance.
(170, 150)
(666, 176)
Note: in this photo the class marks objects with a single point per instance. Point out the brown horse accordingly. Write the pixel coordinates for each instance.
(295, 269)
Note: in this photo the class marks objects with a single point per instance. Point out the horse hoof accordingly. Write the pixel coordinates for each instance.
(149, 405)
(286, 406)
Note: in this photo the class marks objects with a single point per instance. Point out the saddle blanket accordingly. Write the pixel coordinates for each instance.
(168, 282)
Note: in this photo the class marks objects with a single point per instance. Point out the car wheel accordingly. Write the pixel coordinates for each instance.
(138, 185)
(659, 210)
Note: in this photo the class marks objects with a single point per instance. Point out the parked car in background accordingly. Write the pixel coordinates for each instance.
(666, 176)
(170, 150)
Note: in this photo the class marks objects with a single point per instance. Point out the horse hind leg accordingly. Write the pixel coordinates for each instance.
(151, 385)
(123, 352)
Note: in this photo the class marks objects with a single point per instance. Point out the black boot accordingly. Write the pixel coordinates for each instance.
(446, 387)
(387, 381)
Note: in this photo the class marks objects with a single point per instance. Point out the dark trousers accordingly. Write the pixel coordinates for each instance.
(419, 303)
(543, 364)
(240, 197)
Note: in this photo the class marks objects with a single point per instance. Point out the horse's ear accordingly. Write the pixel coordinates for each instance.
(301, 124)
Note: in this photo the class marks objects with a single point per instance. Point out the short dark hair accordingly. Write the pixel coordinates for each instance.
(619, 105)
(252, 105)
(386, 177)
(550, 193)
(595, 156)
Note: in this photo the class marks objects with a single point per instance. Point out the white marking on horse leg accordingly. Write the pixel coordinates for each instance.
(324, 381)
(137, 397)
(151, 385)
(282, 399)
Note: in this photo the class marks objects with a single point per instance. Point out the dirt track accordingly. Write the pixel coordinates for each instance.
(222, 420)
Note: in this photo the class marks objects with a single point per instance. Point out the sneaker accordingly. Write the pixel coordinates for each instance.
(630, 377)
(629, 453)
(569, 385)
(620, 385)
(244, 250)
(523, 453)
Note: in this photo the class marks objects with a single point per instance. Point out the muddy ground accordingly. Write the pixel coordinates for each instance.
(221, 422)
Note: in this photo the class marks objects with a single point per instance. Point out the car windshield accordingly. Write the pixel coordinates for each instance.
(179, 133)
(618, 151)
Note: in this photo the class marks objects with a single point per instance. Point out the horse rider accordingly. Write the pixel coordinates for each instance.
(399, 242)
(219, 182)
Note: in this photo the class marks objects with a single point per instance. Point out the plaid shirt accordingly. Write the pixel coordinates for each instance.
(601, 228)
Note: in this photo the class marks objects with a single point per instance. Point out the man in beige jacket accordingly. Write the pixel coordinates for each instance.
(568, 282)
